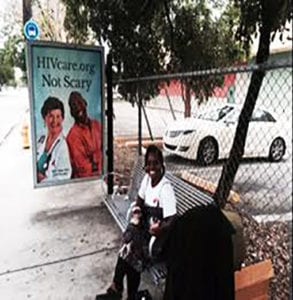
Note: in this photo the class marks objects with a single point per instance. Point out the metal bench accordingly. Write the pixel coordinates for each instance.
(187, 197)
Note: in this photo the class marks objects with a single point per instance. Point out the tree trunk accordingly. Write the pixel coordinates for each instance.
(187, 108)
(170, 104)
(231, 166)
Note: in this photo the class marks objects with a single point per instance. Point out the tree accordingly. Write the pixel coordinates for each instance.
(268, 17)
(11, 18)
(13, 53)
(145, 35)
(6, 71)
(50, 17)
(199, 41)
(129, 28)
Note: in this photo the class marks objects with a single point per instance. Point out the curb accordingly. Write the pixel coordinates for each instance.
(132, 142)
(207, 186)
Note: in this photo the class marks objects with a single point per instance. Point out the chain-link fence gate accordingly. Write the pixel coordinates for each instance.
(197, 146)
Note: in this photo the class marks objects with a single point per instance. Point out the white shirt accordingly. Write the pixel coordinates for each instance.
(161, 195)
(59, 167)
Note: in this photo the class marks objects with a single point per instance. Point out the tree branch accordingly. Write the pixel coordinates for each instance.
(167, 12)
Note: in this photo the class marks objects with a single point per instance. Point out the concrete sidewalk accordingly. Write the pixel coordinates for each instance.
(56, 243)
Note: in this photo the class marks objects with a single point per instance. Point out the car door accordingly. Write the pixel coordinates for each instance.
(228, 130)
(260, 134)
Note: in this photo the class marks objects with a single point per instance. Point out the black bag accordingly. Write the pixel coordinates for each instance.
(143, 295)
(238, 240)
(159, 248)
(107, 296)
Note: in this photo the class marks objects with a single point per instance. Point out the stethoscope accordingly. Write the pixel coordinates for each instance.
(46, 163)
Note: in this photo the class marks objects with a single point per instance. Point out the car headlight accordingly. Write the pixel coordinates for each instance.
(174, 133)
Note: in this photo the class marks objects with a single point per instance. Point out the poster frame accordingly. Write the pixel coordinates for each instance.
(32, 99)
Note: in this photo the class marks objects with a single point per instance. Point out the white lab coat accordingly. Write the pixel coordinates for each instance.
(59, 167)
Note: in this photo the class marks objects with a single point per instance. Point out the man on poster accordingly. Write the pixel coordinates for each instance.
(84, 140)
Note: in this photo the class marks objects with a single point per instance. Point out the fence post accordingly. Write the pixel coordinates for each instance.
(139, 101)
(147, 121)
(109, 114)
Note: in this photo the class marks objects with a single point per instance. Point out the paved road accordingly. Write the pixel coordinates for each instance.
(126, 120)
(13, 104)
(56, 243)
(265, 188)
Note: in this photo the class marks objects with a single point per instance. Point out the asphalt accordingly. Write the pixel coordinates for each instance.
(58, 242)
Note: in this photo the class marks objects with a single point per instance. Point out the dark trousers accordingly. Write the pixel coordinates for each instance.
(133, 278)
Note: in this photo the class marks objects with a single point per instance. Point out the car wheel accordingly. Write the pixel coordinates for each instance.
(207, 152)
(277, 149)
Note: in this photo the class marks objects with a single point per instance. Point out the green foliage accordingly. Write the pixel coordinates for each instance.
(261, 15)
(13, 51)
(6, 73)
(129, 28)
(200, 42)
(12, 55)
(150, 37)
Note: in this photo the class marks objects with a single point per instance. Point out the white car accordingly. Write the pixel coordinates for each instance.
(210, 135)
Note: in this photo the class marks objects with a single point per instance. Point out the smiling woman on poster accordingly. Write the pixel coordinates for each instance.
(53, 161)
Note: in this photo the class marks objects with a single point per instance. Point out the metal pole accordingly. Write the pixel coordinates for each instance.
(26, 10)
(139, 100)
(109, 114)
(170, 105)
(147, 121)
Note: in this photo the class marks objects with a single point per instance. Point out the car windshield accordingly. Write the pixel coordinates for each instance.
(215, 114)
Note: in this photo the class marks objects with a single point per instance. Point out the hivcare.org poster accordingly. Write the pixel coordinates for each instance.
(67, 108)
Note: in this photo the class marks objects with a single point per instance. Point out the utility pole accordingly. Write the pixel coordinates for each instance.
(26, 10)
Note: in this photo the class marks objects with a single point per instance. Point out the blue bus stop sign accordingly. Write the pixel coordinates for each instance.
(31, 30)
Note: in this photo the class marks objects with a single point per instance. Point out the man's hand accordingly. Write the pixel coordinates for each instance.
(124, 250)
(155, 229)
(40, 176)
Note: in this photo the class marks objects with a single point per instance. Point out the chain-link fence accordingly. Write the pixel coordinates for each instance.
(194, 117)
(200, 144)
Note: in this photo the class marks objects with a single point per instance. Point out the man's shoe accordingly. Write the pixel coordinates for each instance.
(113, 291)
(109, 296)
